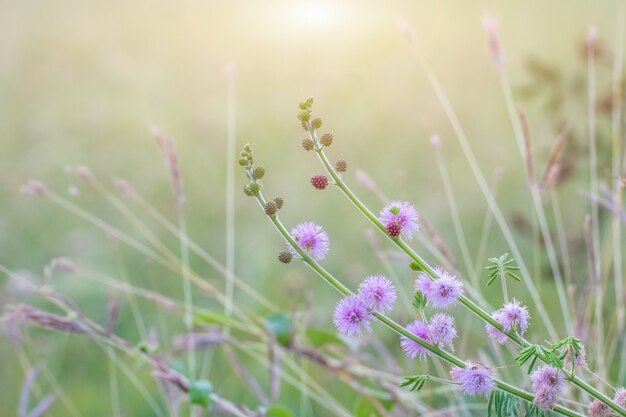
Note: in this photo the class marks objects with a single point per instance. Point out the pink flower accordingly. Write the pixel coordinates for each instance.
(442, 292)
(598, 409)
(547, 382)
(620, 397)
(493, 332)
(352, 314)
(399, 217)
(514, 315)
(442, 331)
(474, 379)
(312, 239)
(378, 293)
(411, 347)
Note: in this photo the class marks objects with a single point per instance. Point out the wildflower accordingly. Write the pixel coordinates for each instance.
(441, 292)
(547, 376)
(545, 398)
(493, 332)
(620, 397)
(441, 330)
(311, 238)
(475, 379)
(411, 347)
(319, 182)
(316, 123)
(513, 315)
(351, 313)
(378, 293)
(279, 202)
(598, 409)
(547, 381)
(399, 217)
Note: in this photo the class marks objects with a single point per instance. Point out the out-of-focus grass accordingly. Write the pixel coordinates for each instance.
(80, 82)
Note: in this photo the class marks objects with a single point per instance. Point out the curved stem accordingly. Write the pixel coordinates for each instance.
(430, 271)
(391, 324)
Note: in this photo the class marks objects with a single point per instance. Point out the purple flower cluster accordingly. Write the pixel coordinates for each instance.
(352, 313)
(474, 379)
(442, 292)
(598, 409)
(399, 217)
(410, 347)
(512, 316)
(620, 397)
(547, 381)
(312, 239)
(378, 293)
(439, 331)
(442, 331)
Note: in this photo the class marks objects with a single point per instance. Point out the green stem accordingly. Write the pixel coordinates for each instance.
(448, 357)
(430, 271)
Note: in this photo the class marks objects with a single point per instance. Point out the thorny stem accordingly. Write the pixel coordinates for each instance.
(446, 356)
(430, 271)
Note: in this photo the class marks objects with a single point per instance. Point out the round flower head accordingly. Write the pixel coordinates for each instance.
(411, 347)
(598, 409)
(442, 331)
(311, 238)
(546, 398)
(441, 292)
(547, 377)
(620, 397)
(351, 313)
(378, 293)
(514, 315)
(475, 379)
(494, 333)
(399, 217)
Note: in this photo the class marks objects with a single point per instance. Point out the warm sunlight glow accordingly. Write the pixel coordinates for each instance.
(311, 14)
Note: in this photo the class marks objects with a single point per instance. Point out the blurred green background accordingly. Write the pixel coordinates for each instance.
(80, 83)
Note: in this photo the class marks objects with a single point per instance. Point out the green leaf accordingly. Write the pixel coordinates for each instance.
(200, 392)
(416, 382)
(213, 317)
(278, 411)
(364, 408)
(419, 300)
(320, 337)
(279, 325)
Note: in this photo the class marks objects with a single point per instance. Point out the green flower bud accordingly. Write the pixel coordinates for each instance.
(247, 191)
(304, 116)
(258, 173)
(242, 162)
(317, 123)
(253, 188)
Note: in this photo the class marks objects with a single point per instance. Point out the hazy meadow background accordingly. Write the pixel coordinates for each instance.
(81, 82)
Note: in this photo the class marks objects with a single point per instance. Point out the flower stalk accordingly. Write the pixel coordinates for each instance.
(422, 265)
(388, 322)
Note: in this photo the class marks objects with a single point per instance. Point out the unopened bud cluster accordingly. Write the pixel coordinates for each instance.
(254, 173)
